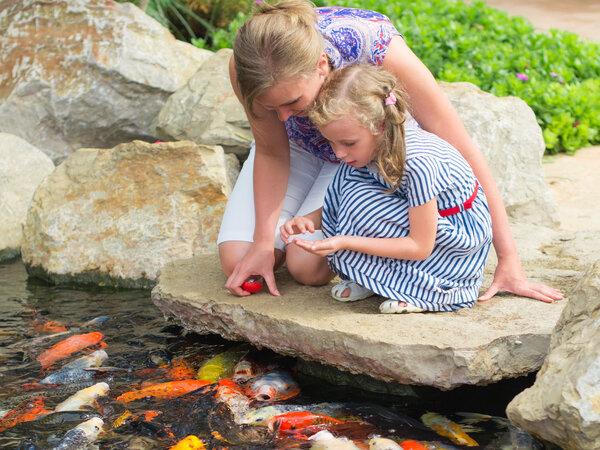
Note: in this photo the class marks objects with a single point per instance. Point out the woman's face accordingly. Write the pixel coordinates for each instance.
(294, 97)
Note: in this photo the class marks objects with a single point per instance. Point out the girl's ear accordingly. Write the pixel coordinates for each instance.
(323, 65)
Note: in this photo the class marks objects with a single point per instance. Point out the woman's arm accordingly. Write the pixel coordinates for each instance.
(434, 112)
(418, 245)
(271, 172)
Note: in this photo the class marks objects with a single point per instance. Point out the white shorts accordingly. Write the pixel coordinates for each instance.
(308, 182)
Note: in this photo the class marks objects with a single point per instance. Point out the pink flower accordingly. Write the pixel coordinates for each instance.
(258, 2)
(522, 76)
(576, 123)
(553, 74)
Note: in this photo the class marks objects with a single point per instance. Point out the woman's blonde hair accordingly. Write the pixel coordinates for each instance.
(361, 91)
(279, 42)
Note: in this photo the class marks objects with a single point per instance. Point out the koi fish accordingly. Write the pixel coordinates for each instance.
(84, 398)
(325, 440)
(180, 369)
(163, 391)
(94, 359)
(82, 435)
(43, 325)
(221, 366)
(445, 427)
(190, 442)
(298, 420)
(412, 445)
(25, 412)
(244, 370)
(60, 418)
(67, 347)
(261, 416)
(272, 386)
(231, 394)
(379, 443)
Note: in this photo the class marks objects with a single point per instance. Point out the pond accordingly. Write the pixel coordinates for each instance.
(141, 349)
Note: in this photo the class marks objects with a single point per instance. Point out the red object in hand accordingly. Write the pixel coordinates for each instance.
(252, 284)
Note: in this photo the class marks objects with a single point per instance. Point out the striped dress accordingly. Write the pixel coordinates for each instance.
(356, 204)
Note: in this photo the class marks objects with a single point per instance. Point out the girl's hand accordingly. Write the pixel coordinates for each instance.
(296, 225)
(510, 277)
(323, 247)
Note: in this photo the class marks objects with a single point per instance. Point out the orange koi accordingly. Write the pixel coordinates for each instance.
(24, 412)
(445, 427)
(191, 442)
(42, 325)
(297, 420)
(180, 369)
(163, 391)
(69, 346)
(412, 445)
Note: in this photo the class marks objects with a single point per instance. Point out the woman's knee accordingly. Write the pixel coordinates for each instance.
(307, 268)
(231, 253)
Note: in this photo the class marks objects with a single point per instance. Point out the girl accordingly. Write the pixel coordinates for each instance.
(404, 216)
(281, 57)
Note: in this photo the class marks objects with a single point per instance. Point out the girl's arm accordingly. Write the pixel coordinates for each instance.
(418, 245)
(271, 172)
(434, 112)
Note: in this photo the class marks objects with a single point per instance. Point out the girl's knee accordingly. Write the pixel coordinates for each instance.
(307, 268)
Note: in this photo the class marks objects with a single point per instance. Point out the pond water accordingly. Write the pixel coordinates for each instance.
(143, 348)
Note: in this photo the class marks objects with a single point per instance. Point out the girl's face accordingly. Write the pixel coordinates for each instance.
(294, 97)
(350, 141)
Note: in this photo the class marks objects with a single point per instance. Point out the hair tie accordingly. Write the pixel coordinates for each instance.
(390, 99)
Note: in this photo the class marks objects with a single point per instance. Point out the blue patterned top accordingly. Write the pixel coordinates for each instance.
(352, 36)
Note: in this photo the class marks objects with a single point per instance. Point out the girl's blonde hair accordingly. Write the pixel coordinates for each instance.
(279, 42)
(361, 91)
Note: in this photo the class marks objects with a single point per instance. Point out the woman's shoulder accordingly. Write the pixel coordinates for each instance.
(339, 12)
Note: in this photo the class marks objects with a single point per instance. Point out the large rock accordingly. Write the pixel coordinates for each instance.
(206, 110)
(84, 73)
(114, 217)
(511, 140)
(22, 168)
(507, 337)
(563, 406)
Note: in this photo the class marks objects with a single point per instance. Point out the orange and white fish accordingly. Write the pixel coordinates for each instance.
(69, 346)
(292, 422)
(445, 427)
(83, 398)
(25, 412)
(272, 386)
(163, 391)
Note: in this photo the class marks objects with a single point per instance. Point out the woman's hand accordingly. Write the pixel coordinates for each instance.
(296, 225)
(258, 260)
(323, 247)
(509, 276)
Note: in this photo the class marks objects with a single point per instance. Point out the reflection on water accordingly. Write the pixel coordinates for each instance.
(97, 398)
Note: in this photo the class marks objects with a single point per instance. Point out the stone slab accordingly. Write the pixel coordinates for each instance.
(503, 338)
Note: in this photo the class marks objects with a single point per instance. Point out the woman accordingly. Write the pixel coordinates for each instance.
(282, 56)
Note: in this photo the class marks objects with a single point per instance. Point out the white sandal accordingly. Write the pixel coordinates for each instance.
(394, 307)
(357, 292)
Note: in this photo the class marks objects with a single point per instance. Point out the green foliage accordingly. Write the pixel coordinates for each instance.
(556, 73)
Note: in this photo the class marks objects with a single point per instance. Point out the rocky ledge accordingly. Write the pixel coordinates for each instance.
(504, 338)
